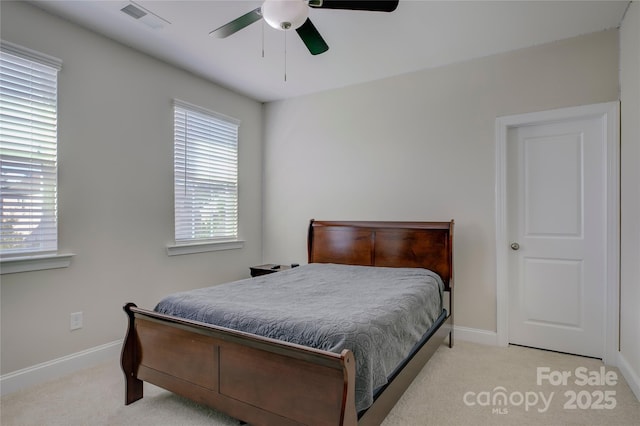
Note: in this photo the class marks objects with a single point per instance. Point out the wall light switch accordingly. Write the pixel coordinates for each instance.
(76, 321)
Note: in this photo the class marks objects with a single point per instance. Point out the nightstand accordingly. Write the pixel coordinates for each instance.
(269, 268)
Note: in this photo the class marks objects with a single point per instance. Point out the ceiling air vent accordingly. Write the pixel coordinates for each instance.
(133, 11)
(145, 16)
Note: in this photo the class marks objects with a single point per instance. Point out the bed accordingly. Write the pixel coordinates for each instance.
(262, 380)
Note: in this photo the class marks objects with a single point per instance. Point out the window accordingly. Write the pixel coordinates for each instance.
(28, 152)
(205, 175)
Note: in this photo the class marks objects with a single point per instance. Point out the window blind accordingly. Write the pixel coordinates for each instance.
(205, 174)
(28, 151)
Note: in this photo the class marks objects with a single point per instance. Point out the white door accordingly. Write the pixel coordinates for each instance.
(556, 227)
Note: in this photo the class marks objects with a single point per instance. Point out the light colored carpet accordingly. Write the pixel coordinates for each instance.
(442, 394)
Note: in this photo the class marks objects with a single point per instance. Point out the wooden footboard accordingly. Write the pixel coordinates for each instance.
(258, 380)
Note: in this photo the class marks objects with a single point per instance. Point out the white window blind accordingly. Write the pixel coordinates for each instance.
(28, 151)
(205, 175)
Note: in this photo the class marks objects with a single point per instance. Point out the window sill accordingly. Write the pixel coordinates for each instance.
(191, 248)
(13, 265)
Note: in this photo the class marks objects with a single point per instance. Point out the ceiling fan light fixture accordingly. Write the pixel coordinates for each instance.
(285, 14)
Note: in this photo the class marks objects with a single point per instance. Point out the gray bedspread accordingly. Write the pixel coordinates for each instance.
(377, 313)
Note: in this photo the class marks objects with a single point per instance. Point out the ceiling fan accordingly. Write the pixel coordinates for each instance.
(293, 14)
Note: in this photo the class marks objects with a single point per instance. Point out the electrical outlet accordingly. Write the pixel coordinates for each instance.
(76, 321)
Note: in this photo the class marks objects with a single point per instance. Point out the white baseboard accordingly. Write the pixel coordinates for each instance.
(475, 335)
(629, 375)
(50, 370)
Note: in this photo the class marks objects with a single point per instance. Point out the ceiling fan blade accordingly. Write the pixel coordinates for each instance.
(312, 38)
(372, 5)
(237, 24)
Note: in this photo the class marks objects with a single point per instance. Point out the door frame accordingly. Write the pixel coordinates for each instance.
(610, 113)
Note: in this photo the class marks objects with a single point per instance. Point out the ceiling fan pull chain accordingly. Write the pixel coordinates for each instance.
(285, 55)
(263, 38)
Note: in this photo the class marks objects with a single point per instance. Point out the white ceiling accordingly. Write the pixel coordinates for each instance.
(363, 46)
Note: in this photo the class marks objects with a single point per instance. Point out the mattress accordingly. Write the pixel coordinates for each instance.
(378, 313)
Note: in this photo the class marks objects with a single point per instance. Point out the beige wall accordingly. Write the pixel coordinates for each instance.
(630, 193)
(116, 192)
(421, 147)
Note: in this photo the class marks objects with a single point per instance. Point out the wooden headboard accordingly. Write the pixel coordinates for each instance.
(396, 244)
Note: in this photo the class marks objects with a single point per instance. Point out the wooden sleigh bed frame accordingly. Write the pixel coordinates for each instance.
(263, 381)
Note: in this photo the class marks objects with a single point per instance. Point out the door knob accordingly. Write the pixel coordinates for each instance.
(515, 246)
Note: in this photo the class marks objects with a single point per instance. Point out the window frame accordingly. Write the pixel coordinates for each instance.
(49, 257)
(183, 246)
